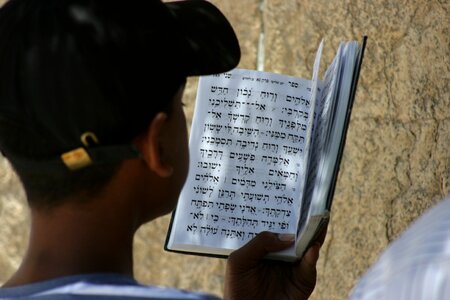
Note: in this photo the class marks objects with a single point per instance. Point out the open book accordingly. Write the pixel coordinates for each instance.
(265, 151)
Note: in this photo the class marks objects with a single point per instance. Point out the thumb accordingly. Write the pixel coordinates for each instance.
(311, 257)
(256, 249)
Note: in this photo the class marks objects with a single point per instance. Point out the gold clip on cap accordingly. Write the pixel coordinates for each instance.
(76, 159)
(85, 137)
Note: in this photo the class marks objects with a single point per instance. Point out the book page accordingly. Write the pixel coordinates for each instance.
(325, 111)
(246, 153)
(337, 130)
(328, 141)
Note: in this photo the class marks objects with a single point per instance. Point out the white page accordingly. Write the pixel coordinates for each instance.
(247, 143)
(309, 151)
(322, 128)
(312, 210)
(327, 138)
(335, 132)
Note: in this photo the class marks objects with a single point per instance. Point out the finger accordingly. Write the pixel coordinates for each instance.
(306, 269)
(311, 257)
(322, 234)
(255, 250)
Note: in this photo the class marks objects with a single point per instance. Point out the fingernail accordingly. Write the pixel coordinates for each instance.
(286, 237)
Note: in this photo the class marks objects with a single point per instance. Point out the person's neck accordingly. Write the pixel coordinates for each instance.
(78, 239)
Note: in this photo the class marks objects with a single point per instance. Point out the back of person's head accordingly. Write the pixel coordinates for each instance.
(80, 79)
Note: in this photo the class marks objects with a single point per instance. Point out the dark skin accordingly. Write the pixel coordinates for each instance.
(96, 236)
(250, 276)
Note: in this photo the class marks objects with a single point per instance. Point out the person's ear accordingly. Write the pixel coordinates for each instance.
(152, 145)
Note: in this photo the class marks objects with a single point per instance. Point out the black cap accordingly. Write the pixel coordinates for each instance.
(84, 77)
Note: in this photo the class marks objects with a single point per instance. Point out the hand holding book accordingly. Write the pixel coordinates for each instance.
(248, 271)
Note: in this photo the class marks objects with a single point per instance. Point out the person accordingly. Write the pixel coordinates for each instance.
(415, 266)
(91, 119)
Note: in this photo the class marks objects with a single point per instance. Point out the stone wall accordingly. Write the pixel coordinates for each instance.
(396, 162)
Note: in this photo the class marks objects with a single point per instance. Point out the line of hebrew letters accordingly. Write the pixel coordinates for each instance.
(208, 229)
(242, 157)
(291, 150)
(217, 128)
(283, 225)
(264, 80)
(250, 209)
(203, 190)
(276, 134)
(217, 140)
(243, 182)
(235, 117)
(216, 154)
(208, 165)
(264, 120)
(202, 204)
(212, 127)
(284, 199)
(244, 170)
(227, 207)
(253, 196)
(295, 138)
(191, 227)
(225, 103)
(268, 224)
(272, 225)
(220, 90)
(230, 233)
(297, 100)
(233, 208)
(215, 114)
(274, 160)
(207, 177)
(270, 147)
(295, 112)
(268, 95)
(269, 185)
(226, 194)
(242, 130)
(292, 125)
(239, 221)
(205, 230)
(250, 144)
(277, 82)
(244, 92)
(283, 136)
(243, 222)
(293, 84)
(204, 216)
(276, 213)
(284, 174)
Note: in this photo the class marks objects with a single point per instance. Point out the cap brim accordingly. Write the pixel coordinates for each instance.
(211, 44)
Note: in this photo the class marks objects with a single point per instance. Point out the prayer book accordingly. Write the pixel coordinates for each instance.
(265, 151)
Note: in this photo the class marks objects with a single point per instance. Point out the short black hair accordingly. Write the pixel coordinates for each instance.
(76, 68)
(47, 54)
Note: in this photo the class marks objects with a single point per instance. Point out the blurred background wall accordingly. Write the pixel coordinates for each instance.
(396, 162)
